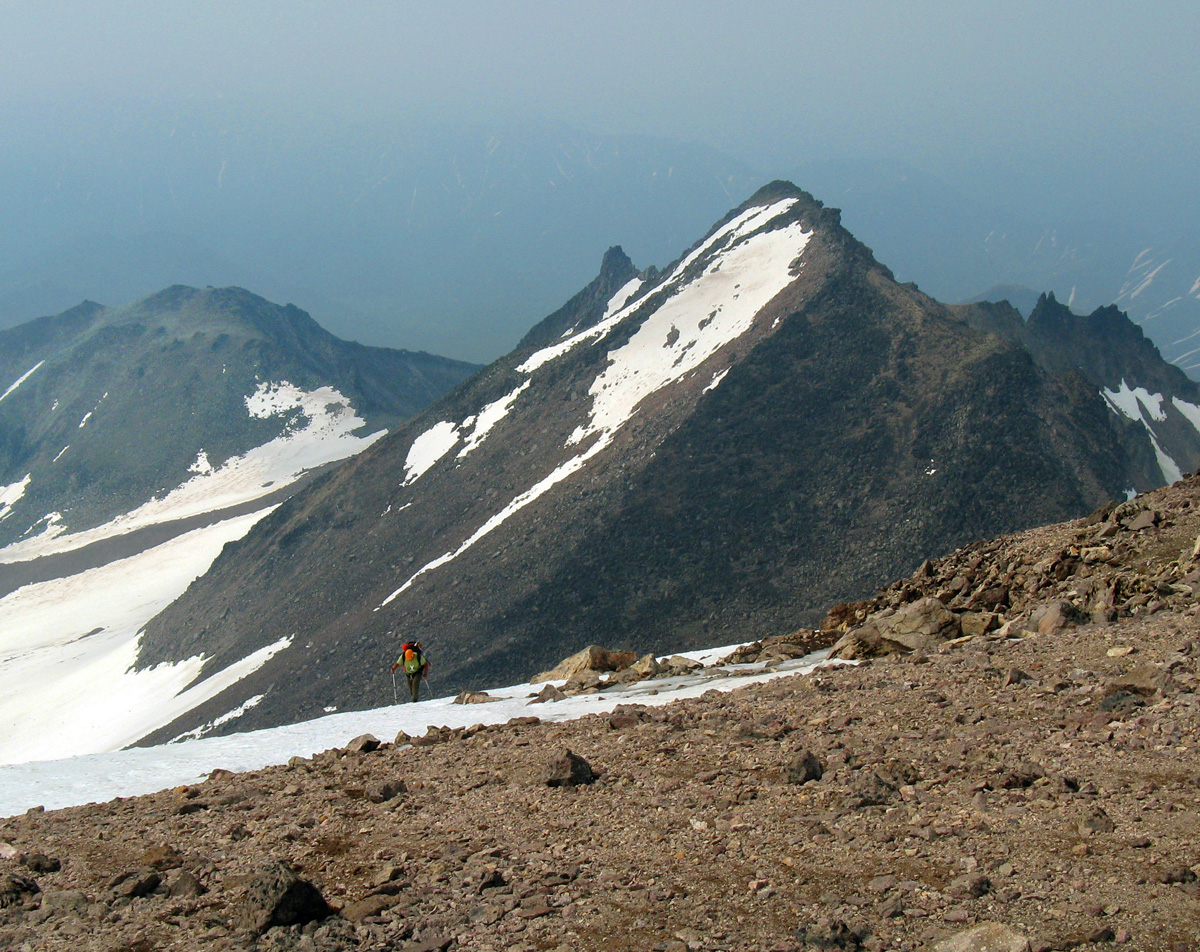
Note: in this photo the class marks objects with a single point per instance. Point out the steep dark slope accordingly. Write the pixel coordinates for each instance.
(1159, 405)
(769, 425)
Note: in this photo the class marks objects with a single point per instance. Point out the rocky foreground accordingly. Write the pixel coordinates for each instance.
(1013, 764)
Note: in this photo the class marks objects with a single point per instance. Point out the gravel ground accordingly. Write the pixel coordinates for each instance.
(1048, 781)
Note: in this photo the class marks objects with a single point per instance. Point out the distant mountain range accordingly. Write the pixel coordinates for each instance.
(713, 452)
(415, 235)
(447, 238)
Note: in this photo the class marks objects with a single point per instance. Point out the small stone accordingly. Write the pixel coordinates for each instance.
(65, 901)
(14, 888)
(1120, 651)
(41, 863)
(1097, 821)
(970, 886)
(370, 906)
(185, 885)
(805, 766)
(134, 884)
(363, 744)
(384, 791)
(1177, 874)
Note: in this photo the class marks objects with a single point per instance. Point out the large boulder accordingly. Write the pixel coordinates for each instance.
(277, 896)
(568, 769)
(592, 658)
(925, 623)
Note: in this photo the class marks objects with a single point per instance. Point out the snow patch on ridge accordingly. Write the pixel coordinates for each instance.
(433, 445)
(614, 312)
(487, 418)
(572, 465)
(716, 380)
(427, 449)
(21, 379)
(703, 316)
(11, 494)
(1136, 403)
(322, 432)
(1131, 401)
(1190, 411)
(202, 465)
(197, 733)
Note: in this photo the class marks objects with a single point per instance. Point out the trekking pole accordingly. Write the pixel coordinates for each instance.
(395, 695)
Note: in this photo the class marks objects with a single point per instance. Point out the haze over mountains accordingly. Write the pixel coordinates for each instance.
(446, 236)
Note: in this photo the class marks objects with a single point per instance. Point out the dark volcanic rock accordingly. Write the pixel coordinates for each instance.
(569, 770)
(14, 888)
(277, 896)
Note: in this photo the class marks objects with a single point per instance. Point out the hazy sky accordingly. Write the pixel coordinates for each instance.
(1052, 111)
(948, 86)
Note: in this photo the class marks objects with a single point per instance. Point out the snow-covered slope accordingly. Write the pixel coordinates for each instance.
(102, 776)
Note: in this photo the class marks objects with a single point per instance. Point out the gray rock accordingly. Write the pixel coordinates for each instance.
(277, 896)
(985, 937)
(64, 900)
(569, 770)
(1146, 519)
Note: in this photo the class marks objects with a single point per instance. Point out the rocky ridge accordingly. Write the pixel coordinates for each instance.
(1031, 786)
(711, 454)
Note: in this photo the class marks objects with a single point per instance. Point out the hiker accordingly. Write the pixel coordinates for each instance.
(416, 666)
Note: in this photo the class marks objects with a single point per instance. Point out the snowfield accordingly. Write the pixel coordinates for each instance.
(103, 776)
(67, 645)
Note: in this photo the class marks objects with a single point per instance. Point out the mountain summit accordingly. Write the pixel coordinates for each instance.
(711, 453)
(109, 407)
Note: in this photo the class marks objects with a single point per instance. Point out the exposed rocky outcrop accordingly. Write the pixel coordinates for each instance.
(1136, 558)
